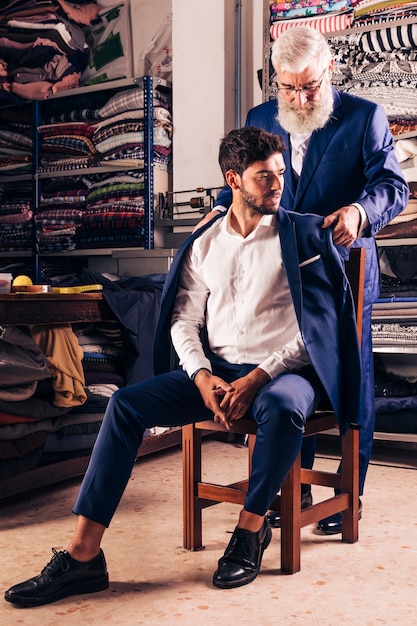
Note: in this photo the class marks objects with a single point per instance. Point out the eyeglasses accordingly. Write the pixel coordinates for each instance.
(307, 90)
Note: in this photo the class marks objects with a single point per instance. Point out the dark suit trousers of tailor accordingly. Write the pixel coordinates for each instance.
(172, 399)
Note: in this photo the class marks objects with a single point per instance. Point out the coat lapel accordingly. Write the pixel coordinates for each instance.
(290, 259)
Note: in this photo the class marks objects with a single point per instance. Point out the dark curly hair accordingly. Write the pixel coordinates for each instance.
(242, 147)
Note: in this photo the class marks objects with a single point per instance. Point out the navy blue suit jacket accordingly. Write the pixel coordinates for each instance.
(323, 305)
(350, 160)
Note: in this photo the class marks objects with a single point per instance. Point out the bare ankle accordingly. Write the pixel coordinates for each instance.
(250, 521)
(81, 552)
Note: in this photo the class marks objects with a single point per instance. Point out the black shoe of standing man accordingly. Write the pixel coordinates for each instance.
(274, 517)
(333, 525)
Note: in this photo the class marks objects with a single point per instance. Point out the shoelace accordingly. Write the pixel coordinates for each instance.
(58, 562)
(242, 545)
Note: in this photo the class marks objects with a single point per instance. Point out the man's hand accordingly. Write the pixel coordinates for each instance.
(236, 401)
(230, 402)
(212, 389)
(346, 222)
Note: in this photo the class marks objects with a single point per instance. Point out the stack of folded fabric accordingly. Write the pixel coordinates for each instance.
(114, 213)
(16, 217)
(120, 133)
(43, 47)
(66, 144)
(15, 142)
(61, 208)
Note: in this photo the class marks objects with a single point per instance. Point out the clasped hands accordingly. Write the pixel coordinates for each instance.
(230, 401)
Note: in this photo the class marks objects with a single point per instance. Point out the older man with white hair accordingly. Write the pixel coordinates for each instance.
(340, 164)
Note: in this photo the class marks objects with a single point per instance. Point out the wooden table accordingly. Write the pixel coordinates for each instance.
(50, 308)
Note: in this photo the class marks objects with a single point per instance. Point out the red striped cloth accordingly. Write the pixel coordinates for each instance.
(323, 23)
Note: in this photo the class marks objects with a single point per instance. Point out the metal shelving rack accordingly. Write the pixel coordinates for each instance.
(148, 84)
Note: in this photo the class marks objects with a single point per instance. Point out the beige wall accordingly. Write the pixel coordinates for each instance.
(204, 88)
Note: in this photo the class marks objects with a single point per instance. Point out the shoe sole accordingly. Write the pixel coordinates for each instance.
(251, 577)
(89, 587)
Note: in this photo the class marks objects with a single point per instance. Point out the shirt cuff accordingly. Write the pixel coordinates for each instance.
(363, 226)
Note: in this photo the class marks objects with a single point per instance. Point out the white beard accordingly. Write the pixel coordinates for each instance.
(313, 116)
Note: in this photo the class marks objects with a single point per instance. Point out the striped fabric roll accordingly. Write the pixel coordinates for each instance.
(323, 23)
(388, 39)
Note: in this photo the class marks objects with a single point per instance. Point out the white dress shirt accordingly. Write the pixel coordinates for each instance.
(299, 145)
(239, 289)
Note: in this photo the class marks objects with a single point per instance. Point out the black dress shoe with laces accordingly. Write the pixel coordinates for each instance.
(274, 517)
(333, 525)
(62, 577)
(241, 561)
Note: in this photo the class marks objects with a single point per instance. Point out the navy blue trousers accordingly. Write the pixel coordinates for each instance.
(366, 434)
(280, 410)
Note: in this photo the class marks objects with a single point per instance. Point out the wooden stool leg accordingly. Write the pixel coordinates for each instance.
(350, 484)
(291, 520)
(191, 468)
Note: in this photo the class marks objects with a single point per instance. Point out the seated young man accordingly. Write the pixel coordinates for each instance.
(268, 289)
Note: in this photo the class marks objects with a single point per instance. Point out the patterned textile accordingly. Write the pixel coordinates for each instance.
(14, 139)
(394, 333)
(73, 115)
(15, 147)
(307, 8)
(113, 216)
(70, 163)
(16, 218)
(121, 237)
(125, 101)
(71, 128)
(121, 190)
(365, 7)
(387, 77)
(325, 24)
(68, 214)
(67, 144)
(391, 38)
(115, 141)
(404, 229)
(159, 113)
(116, 128)
(123, 206)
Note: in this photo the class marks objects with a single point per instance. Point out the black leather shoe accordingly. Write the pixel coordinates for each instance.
(241, 561)
(274, 517)
(333, 525)
(62, 577)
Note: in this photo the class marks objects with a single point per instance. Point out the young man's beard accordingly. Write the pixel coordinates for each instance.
(253, 205)
(311, 117)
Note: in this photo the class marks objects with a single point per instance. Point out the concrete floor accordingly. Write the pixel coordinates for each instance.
(153, 580)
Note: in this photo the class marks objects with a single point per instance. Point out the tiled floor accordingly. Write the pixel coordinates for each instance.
(155, 581)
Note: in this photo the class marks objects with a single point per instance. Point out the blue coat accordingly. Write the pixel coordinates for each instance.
(323, 305)
(354, 155)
